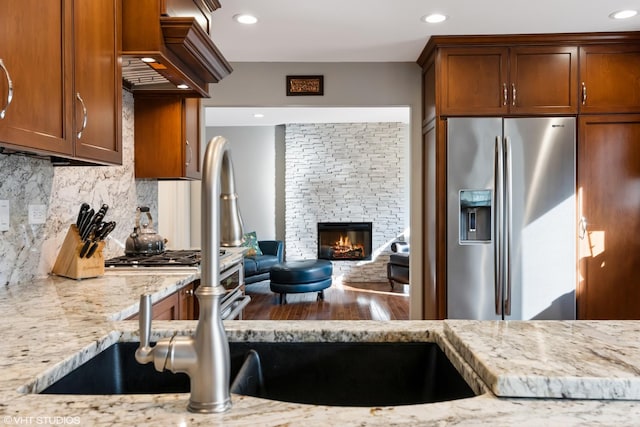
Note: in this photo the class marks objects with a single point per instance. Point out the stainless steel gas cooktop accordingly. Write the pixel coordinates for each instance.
(172, 258)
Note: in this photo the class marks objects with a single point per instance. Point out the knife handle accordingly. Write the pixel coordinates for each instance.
(83, 209)
(100, 214)
(85, 248)
(109, 227)
(86, 222)
(92, 249)
(97, 219)
(89, 232)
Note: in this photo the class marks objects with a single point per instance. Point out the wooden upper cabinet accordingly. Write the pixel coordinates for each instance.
(97, 81)
(62, 58)
(480, 81)
(473, 81)
(167, 137)
(35, 58)
(543, 80)
(610, 78)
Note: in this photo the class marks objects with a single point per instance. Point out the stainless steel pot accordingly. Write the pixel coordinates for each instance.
(144, 240)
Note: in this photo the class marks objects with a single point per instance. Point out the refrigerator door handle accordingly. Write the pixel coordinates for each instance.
(508, 225)
(497, 225)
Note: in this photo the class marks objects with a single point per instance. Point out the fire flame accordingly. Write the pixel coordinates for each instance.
(345, 246)
(344, 241)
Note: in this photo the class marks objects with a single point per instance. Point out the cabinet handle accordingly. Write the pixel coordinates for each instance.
(584, 94)
(513, 94)
(583, 228)
(84, 115)
(9, 89)
(189, 292)
(190, 157)
(504, 94)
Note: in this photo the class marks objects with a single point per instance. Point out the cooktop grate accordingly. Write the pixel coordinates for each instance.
(167, 258)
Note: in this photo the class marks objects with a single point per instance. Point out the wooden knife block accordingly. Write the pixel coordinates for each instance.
(69, 264)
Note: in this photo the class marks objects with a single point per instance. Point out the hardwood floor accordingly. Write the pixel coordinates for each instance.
(342, 301)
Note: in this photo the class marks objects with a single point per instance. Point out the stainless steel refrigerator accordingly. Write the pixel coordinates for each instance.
(511, 212)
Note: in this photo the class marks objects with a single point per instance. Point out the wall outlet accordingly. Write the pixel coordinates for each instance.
(37, 214)
(5, 219)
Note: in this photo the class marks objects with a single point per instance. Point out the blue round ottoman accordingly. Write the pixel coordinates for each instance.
(308, 275)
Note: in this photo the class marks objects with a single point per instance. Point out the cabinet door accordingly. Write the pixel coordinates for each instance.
(97, 93)
(610, 78)
(187, 302)
(608, 173)
(192, 142)
(543, 80)
(34, 35)
(163, 125)
(473, 81)
(167, 308)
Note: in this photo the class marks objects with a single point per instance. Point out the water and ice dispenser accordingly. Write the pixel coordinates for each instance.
(475, 216)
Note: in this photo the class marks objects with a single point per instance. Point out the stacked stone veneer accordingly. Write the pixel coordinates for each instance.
(345, 172)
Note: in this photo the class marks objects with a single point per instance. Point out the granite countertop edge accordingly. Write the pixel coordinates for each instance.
(54, 324)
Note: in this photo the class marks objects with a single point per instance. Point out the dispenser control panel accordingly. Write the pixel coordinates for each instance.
(475, 216)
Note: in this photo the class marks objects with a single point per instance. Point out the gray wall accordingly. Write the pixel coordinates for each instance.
(345, 84)
(365, 84)
(253, 153)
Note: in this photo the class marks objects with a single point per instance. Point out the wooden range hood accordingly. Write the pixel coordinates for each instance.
(183, 51)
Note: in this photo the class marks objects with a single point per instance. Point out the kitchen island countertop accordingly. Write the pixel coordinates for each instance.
(54, 324)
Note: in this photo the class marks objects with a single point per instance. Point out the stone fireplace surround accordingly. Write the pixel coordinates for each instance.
(342, 172)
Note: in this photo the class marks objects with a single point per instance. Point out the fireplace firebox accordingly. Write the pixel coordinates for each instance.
(344, 241)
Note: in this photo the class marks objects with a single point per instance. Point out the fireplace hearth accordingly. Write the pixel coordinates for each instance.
(344, 241)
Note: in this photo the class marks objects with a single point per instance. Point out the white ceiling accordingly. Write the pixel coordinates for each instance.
(381, 31)
(391, 30)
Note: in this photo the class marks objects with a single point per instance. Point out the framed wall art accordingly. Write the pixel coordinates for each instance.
(305, 85)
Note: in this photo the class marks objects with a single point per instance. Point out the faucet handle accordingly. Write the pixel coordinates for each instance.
(144, 352)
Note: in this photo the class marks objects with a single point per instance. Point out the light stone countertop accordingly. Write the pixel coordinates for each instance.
(53, 325)
(557, 359)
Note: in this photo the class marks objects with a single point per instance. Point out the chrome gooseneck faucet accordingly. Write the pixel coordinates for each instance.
(204, 356)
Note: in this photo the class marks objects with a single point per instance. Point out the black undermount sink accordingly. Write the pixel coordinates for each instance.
(116, 371)
(349, 374)
(336, 374)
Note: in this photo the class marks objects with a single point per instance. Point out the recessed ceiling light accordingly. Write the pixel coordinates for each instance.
(245, 18)
(182, 86)
(623, 14)
(147, 60)
(434, 18)
(258, 115)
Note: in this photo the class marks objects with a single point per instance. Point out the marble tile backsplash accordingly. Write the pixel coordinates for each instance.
(29, 251)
